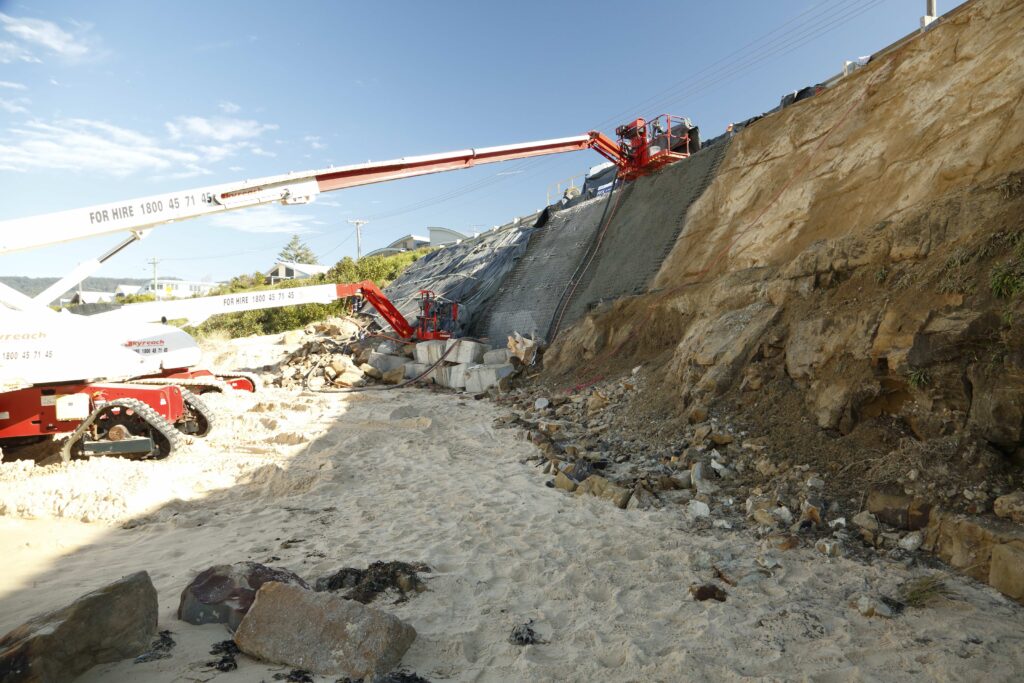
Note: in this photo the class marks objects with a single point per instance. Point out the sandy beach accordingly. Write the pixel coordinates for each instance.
(315, 482)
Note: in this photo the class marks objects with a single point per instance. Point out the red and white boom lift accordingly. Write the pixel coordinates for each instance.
(63, 374)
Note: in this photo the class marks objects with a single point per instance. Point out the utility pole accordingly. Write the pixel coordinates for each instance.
(153, 261)
(359, 223)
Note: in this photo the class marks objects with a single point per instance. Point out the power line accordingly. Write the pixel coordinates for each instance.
(809, 25)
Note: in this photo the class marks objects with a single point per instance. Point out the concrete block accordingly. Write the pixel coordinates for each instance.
(385, 362)
(497, 356)
(441, 375)
(429, 352)
(451, 376)
(458, 375)
(480, 378)
(413, 369)
(467, 351)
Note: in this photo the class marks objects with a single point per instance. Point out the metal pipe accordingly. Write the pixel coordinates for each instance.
(932, 8)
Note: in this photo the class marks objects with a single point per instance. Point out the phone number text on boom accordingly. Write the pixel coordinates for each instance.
(261, 298)
(147, 208)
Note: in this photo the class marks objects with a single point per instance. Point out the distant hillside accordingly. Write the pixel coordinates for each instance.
(33, 285)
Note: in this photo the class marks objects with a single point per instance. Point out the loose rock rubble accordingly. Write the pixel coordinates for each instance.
(328, 361)
(595, 441)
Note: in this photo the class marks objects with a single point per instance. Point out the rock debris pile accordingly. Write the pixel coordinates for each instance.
(594, 441)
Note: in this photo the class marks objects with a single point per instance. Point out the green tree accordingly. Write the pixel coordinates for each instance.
(296, 251)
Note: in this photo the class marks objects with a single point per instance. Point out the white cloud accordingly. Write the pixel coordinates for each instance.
(14, 106)
(229, 107)
(264, 219)
(314, 141)
(10, 52)
(90, 146)
(218, 128)
(260, 152)
(33, 33)
(12, 85)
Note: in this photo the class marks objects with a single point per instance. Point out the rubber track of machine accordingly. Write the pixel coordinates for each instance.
(251, 376)
(213, 383)
(199, 405)
(152, 418)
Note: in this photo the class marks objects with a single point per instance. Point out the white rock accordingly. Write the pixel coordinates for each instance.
(541, 404)
(698, 509)
(783, 514)
(912, 541)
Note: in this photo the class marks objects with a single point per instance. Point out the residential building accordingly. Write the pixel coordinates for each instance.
(178, 289)
(286, 270)
(438, 237)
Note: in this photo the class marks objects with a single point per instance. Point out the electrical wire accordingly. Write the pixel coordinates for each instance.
(807, 26)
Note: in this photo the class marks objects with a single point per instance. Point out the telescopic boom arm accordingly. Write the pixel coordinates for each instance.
(294, 188)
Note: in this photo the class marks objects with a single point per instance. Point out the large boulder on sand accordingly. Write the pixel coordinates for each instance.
(113, 623)
(223, 593)
(322, 633)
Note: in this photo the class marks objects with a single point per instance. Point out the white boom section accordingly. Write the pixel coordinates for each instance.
(147, 212)
(292, 188)
(36, 348)
(199, 309)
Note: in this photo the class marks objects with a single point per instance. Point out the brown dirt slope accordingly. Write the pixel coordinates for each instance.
(851, 281)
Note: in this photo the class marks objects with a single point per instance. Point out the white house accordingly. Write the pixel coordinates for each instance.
(286, 270)
(438, 237)
(178, 289)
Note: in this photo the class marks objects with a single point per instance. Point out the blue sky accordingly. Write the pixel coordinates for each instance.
(104, 100)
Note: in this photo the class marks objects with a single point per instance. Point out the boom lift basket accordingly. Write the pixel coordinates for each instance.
(650, 145)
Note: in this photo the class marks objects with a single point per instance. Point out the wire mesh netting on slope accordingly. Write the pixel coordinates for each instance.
(640, 234)
(572, 264)
(526, 301)
(469, 272)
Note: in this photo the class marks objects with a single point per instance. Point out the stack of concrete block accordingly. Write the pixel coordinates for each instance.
(469, 365)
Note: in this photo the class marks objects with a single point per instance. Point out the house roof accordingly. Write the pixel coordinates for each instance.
(440, 236)
(89, 297)
(307, 268)
(397, 244)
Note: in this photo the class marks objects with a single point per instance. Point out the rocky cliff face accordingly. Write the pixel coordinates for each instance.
(852, 280)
